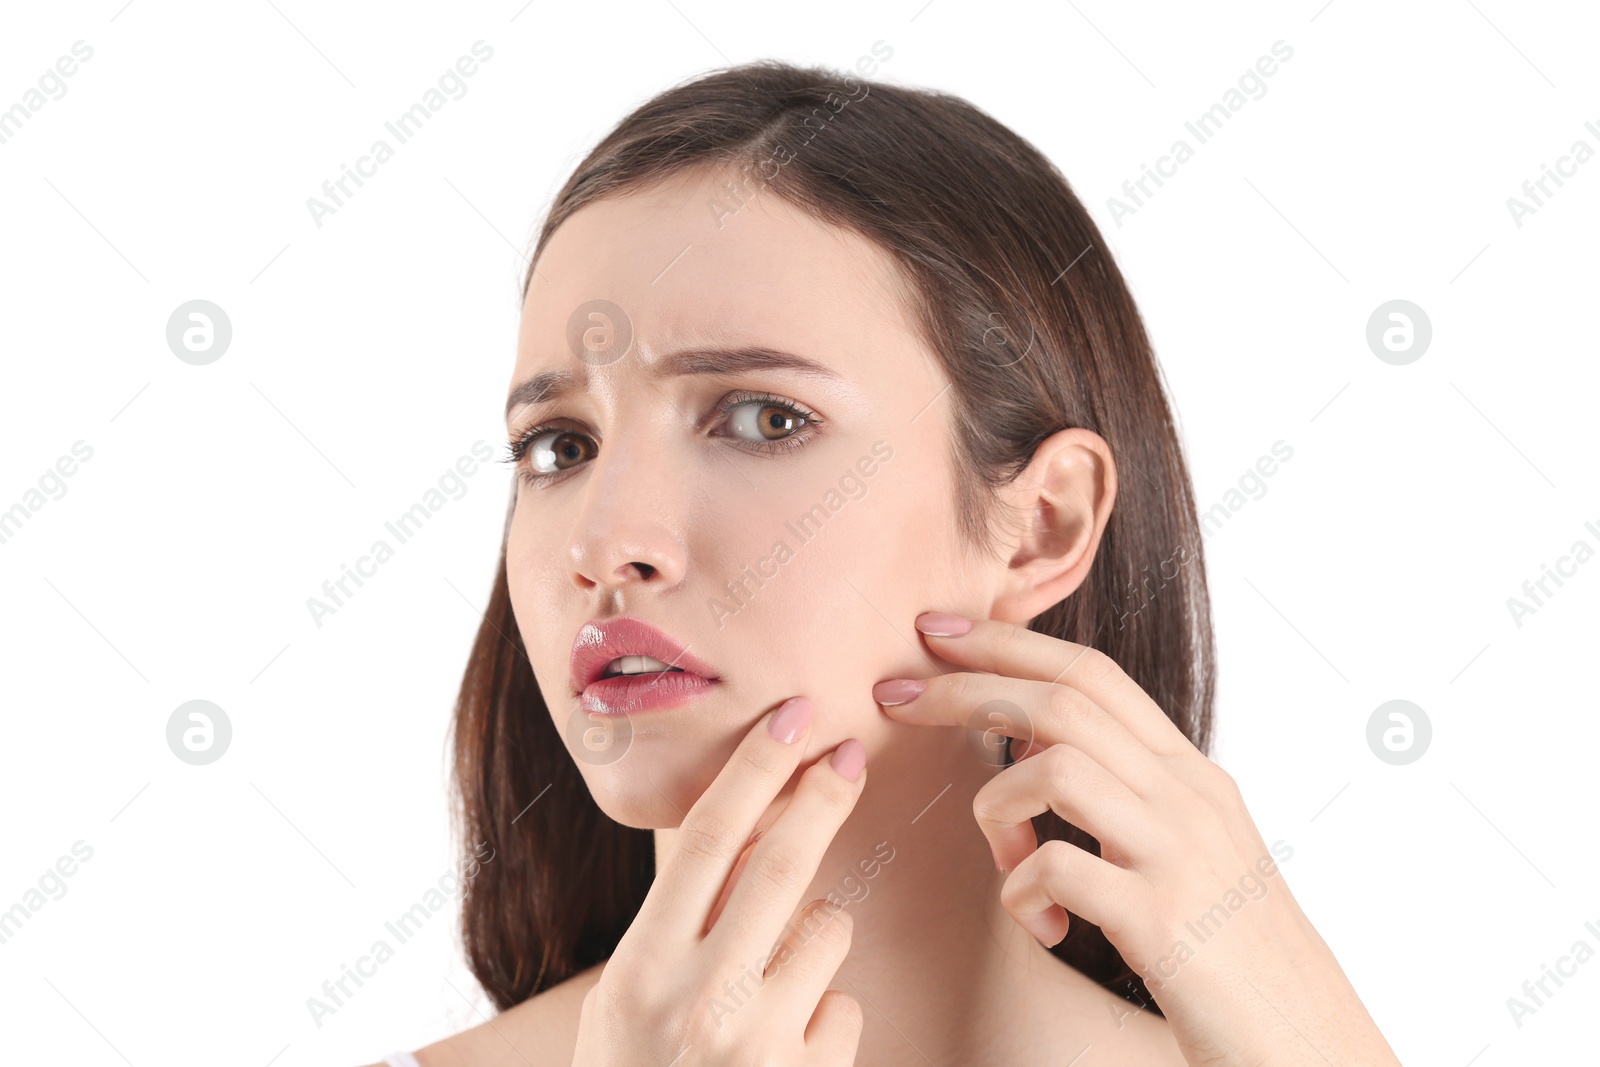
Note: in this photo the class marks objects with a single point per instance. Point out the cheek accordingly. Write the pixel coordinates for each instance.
(823, 597)
(533, 583)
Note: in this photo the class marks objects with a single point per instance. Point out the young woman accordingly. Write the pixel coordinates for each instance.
(845, 689)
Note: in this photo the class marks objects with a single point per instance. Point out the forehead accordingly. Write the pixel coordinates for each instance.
(690, 261)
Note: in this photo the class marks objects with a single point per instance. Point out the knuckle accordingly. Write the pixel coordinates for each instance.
(1061, 763)
(1125, 922)
(1012, 891)
(816, 939)
(1053, 852)
(846, 1009)
(832, 925)
(775, 867)
(1065, 704)
(811, 920)
(1228, 788)
(705, 1028)
(839, 793)
(1055, 857)
(842, 923)
(623, 999)
(954, 689)
(1218, 798)
(986, 802)
(769, 764)
(1096, 666)
(1010, 640)
(706, 835)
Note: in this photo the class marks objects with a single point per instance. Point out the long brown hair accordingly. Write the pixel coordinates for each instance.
(1014, 292)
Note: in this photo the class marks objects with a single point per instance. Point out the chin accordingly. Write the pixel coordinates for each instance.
(647, 810)
(654, 784)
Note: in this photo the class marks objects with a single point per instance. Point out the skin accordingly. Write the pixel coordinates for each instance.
(941, 956)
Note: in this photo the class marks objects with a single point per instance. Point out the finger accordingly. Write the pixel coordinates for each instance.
(1069, 782)
(1029, 710)
(720, 823)
(1006, 648)
(785, 860)
(834, 1034)
(804, 962)
(733, 879)
(1061, 876)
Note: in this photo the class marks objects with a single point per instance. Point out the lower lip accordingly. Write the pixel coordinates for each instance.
(626, 694)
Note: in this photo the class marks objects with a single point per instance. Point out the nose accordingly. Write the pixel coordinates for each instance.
(629, 527)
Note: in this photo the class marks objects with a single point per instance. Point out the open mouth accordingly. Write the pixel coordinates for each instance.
(628, 665)
(637, 683)
(623, 665)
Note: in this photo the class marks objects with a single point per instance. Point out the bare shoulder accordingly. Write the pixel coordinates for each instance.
(542, 1031)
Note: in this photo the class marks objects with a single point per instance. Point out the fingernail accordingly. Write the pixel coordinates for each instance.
(1045, 921)
(939, 624)
(898, 690)
(849, 758)
(789, 721)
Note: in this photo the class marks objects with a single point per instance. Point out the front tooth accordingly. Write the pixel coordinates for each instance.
(639, 665)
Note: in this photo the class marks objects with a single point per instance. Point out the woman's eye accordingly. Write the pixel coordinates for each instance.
(556, 451)
(764, 420)
(768, 423)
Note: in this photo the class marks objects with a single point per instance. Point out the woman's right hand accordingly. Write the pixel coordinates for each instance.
(686, 985)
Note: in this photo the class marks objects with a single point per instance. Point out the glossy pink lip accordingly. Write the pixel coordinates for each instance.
(598, 643)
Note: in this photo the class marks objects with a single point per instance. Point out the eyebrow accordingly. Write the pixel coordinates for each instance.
(555, 384)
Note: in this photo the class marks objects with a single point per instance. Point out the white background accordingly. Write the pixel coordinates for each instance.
(372, 352)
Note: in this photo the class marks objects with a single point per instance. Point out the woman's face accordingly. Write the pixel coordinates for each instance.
(788, 555)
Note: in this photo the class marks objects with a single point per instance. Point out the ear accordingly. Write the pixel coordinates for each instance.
(1062, 502)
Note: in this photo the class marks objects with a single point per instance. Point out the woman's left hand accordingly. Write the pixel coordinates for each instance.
(1184, 888)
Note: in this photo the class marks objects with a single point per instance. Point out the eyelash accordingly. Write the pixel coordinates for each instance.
(518, 447)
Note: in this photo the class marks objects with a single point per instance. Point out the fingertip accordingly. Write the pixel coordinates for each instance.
(849, 759)
(1048, 927)
(898, 691)
(943, 624)
(790, 719)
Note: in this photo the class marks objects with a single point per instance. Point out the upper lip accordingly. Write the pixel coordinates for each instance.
(598, 643)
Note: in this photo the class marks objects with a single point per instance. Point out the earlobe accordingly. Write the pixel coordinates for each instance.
(1062, 501)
